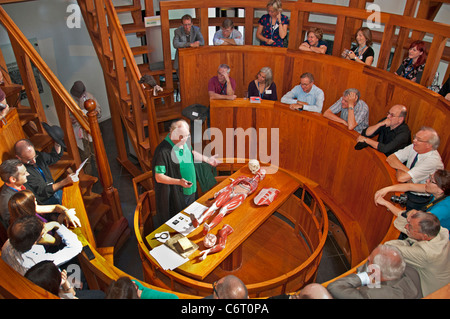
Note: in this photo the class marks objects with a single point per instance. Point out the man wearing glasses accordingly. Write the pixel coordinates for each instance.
(40, 180)
(392, 131)
(174, 175)
(186, 36)
(422, 159)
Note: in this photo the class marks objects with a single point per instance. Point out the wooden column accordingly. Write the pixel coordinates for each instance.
(110, 194)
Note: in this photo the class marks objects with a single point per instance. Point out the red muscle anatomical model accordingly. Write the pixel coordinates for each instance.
(228, 199)
(221, 241)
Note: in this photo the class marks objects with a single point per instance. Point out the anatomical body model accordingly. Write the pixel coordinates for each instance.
(221, 241)
(228, 199)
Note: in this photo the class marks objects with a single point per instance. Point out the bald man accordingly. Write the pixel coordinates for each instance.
(229, 287)
(174, 175)
(392, 131)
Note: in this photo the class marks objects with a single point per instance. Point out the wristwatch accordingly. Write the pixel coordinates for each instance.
(351, 108)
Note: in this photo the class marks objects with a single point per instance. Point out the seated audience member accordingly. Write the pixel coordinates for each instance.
(394, 279)
(306, 96)
(392, 131)
(222, 86)
(229, 287)
(362, 52)
(354, 112)
(228, 35)
(445, 89)
(186, 36)
(14, 175)
(437, 185)
(314, 42)
(263, 86)
(40, 180)
(426, 249)
(125, 288)
(272, 27)
(4, 107)
(47, 276)
(412, 67)
(23, 203)
(422, 159)
(22, 251)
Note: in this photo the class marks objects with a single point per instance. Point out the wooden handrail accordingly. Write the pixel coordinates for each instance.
(299, 8)
(15, 33)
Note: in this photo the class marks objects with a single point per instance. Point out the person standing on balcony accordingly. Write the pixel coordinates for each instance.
(84, 140)
(186, 36)
(228, 35)
(273, 26)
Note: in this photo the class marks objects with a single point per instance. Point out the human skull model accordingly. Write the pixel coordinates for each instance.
(253, 165)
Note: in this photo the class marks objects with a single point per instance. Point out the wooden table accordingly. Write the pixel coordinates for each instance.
(244, 220)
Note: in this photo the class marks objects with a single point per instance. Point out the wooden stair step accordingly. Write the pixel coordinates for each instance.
(127, 8)
(86, 183)
(143, 49)
(133, 28)
(41, 141)
(114, 234)
(60, 167)
(96, 209)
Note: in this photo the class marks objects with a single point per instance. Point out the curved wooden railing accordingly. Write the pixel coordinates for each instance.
(348, 21)
(310, 222)
(27, 56)
(379, 88)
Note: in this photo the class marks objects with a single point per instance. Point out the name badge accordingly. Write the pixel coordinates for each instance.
(268, 91)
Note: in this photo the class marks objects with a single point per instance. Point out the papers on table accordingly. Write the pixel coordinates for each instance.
(195, 208)
(167, 258)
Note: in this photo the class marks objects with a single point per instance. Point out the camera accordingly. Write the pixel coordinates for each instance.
(401, 200)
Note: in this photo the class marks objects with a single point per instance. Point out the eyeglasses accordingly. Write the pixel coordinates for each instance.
(432, 181)
(214, 288)
(185, 136)
(419, 140)
(31, 161)
(392, 114)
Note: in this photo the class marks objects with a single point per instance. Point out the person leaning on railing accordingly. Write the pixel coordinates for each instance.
(412, 67)
(362, 52)
(272, 27)
(437, 185)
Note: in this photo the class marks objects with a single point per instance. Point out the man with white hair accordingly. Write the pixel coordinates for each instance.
(394, 279)
(174, 175)
(422, 159)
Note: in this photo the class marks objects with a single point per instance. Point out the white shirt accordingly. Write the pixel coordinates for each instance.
(21, 262)
(426, 164)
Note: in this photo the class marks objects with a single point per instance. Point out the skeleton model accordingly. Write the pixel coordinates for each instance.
(228, 199)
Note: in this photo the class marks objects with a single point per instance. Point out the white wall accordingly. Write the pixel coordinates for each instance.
(68, 52)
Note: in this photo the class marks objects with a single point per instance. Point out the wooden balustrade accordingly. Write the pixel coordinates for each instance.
(348, 20)
(379, 89)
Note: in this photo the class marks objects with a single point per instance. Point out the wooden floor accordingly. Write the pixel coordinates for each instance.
(274, 240)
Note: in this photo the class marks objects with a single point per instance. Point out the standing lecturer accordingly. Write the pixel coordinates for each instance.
(174, 175)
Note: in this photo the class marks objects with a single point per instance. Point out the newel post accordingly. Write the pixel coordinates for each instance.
(109, 194)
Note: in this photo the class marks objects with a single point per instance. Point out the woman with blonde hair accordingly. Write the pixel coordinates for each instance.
(263, 86)
(272, 27)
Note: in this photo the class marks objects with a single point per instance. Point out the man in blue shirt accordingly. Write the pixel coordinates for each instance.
(306, 96)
